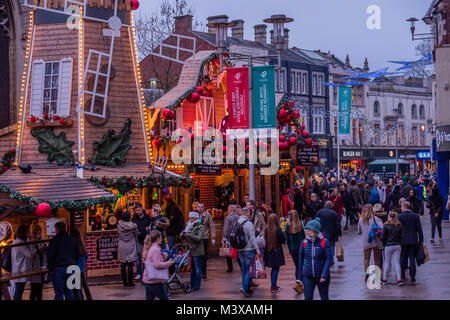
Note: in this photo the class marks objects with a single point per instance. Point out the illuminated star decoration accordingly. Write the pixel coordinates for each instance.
(424, 61)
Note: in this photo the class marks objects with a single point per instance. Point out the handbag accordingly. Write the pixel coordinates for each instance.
(298, 288)
(152, 274)
(224, 251)
(233, 253)
(427, 255)
(339, 251)
(377, 238)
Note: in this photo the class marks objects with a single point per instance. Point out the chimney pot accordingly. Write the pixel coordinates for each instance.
(210, 19)
(286, 38)
(260, 33)
(183, 24)
(238, 30)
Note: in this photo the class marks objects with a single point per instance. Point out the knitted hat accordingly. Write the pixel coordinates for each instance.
(35, 228)
(314, 225)
(194, 215)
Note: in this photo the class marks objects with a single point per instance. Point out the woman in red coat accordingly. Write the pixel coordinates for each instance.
(338, 203)
(286, 203)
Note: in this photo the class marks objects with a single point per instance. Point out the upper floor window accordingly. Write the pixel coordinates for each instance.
(318, 122)
(281, 80)
(376, 108)
(304, 83)
(314, 84)
(320, 89)
(400, 110)
(414, 111)
(335, 95)
(51, 87)
(422, 111)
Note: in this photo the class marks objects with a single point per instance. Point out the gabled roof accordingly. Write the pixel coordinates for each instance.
(429, 13)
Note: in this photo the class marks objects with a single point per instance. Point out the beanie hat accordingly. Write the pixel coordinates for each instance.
(314, 225)
(194, 215)
(35, 228)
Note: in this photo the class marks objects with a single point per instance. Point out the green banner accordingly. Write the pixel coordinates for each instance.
(264, 108)
(345, 107)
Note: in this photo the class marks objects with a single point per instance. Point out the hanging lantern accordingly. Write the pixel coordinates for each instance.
(134, 4)
(305, 134)
(43, 210)
(292, 141)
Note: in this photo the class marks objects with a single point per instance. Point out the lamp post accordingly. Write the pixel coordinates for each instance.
(278, 21)
(221, 25)
(396, 139)
(422, 36)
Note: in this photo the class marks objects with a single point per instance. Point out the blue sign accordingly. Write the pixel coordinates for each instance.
(424, 155)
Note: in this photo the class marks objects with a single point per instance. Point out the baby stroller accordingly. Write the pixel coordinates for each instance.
(181, 253)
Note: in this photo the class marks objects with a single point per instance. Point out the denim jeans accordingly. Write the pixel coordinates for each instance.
(333, 249)
(205, 256)
(18, 292)
(171, 241)
(139, 265)
(59, 279)
(309, 284)
(274, 277)
(196, 272)
(246, 257)
(155, 290)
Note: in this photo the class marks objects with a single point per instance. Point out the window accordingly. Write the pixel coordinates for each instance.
(296, 82)
(304, 83)
(422, 111)
(335, 130)
(51, 87)
(281, 80)
(422, 135)
(314, 84)
(318, 123)
(354, 131)
(376, 109)
(335, 95)
(360, 132)
(293, 73)
(414, 111)
(320, 91)
(304, 118)
(400, 110)
(376, 134)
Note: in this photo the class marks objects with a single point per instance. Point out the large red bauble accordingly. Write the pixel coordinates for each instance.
(292, 141)
(282, 115)
(200, 90)
(309, 142)
(302, 127)
(281, 145)
(285, 146)
(305, 134)
(134, 4)
(166, 114)
(156, 143)
(43, 210)
(296, 114)
(282, 139)
(194, 97)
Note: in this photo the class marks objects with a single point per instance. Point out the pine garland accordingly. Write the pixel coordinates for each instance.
(7, 160)
(66, 204)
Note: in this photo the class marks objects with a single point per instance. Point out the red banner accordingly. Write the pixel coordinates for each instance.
(237, 95)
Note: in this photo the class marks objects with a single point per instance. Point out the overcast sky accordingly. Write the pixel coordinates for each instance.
(335, 25)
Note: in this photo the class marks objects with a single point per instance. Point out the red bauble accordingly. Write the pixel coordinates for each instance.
(292, 141)
(194, 97)
(156, 143)
(296, 114)
(43, 210)
(200, 90)
(285, 146)
(282, 115)
(61, 120)
(282, 139)
(165, 113)
(309, 142)
(33, 119)
(302, 127)
(247, 149)
(305, 134)
(280, 145)
(134, 4)
(46, 116)
(224, 148)
(288, 117)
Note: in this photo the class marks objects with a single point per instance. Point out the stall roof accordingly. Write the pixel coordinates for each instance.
(51, 187)
(388, 161)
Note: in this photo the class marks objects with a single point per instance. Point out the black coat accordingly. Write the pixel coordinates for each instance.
(412, 229)
(329, 221)
(312, 208)
(62, 251)
(142, 226)
(176, 220)
(275, 258)
(298, 202)
(392, 235)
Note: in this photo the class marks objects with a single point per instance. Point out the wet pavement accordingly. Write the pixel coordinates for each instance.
(347, 278)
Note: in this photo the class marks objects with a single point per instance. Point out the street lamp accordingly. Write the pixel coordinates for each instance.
(396, 110)
(278, 21)
(221, 25)
(420, 36)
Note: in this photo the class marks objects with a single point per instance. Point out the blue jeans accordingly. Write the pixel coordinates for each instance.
(139, 265)
(333, 249)
(246, 257)
(59, 279)
(196, 272)
(155, 290)
(171, 241)
(309, 284)
(274, 276)
(18, 292)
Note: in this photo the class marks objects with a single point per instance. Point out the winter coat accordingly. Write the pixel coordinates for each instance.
(294, 240)
(298, 202)
(195, 239)
(347, 200)
(329, 221)
(161, 224)
(208, 223)
(21, 259)
(338, 204)
(128, 232)
(365, 229)
(39, 260)
(176, 220)
(416, 205)
(286, 205)
(312, 208)
(229, 221)
(356, 196)
(436, 205)
(374, 196)
(154, 256)
(412, 229)
(142, 225)
(250, 238)
(314, 261)
(62, 251)
(392, 235)
(275, 258)
(258, 223)
(393, 198)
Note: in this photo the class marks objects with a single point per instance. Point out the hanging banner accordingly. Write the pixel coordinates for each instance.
(264, 108)
(237, 95)
(345, 103)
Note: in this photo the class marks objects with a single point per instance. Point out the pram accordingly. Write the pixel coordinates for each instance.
(181, 253)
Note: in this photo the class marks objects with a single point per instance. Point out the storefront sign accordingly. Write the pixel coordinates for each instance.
(443, 139)
(208, 170)
(238, 100)
(264, 108)
(424, 155)
(79, 216)
(107, 248)
(308, 156)
(345, 103)
(352, 154)
(323, 143)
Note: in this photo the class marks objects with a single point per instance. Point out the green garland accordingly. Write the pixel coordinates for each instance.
(7, 160)
(125, 184)
(66, 204)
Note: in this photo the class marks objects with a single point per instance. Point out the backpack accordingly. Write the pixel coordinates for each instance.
(7, 263)
(237, 235)
(322, 243)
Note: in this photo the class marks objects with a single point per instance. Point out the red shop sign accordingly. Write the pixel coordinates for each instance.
(237, 95)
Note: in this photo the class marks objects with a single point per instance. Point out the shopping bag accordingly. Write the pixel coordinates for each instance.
(259, 267)
(233, 253)
(339, 251)
(298, 288)
(427, 255)
(224, 251)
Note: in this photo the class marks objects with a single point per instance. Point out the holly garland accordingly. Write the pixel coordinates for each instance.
(7, 160)
(125, 184)
(66, 204)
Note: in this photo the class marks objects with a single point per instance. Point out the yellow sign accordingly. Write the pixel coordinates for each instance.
(323, 143)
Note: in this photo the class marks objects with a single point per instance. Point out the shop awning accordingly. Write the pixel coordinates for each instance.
(224, 180)
(58, 190)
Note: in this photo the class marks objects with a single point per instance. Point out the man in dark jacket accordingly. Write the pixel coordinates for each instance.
(298, 201)
(412, 237)
(348, 204)
(62, 252)
(143, 222)
(173, 213)
(329, 221)
(312, 207)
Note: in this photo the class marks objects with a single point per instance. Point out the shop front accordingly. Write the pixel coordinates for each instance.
(441, 153)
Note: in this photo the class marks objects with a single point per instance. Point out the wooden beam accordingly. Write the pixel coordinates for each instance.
(12, 203)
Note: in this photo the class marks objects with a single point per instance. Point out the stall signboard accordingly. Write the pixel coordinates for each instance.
(308, 156)
(79, 216)
(443, 139)
(264, 105)
(208, 170)
(424, 155)
(50, 224)
(345, 105)
(107, 248)
(238, 98)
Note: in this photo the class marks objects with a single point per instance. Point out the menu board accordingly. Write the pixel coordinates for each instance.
(209, 170)
(308, 156)
(79, 216)
(107, 248)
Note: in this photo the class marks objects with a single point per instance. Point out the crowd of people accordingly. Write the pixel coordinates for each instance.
(313, 218)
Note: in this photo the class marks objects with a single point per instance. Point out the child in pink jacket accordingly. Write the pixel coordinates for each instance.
(155, 287)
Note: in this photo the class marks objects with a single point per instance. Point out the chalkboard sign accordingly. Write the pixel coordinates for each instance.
(79, 216)
(107, 248)
(208, 170)
(308, 156)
